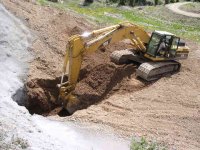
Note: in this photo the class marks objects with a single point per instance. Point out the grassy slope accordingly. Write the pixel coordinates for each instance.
(150, 17)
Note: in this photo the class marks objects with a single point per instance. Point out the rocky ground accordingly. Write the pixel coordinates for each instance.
(166, 110)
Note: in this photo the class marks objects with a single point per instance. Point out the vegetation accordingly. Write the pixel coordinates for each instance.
(14, 142)
(142, 144)
(133, 3)
(150, 17)
(87, 2)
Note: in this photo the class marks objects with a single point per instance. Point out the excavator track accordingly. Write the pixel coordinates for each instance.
(155, 70)
(121, 57)
(147, 70)
(125, 56)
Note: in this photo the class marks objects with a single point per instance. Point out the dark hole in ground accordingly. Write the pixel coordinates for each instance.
(40, 96)
(20, 96)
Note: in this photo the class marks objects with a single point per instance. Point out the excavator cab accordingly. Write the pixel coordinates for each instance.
(163, 51)
(163, 45)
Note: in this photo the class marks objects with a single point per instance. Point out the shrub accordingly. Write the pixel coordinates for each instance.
(142, 144)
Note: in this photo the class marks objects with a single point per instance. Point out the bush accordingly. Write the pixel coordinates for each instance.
(142, 144)
(149, 3)
(166, 1)
(14, 142)
(133, 2)
(156, 2)
(87, 2)
(122, 2)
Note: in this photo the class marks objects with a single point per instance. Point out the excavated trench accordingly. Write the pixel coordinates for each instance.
(95, 84)
(20, 129)
(99, 78)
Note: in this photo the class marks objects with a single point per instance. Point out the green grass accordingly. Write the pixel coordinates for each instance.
(150, 17)
(42, 2)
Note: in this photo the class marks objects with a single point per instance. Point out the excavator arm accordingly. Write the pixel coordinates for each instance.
(80, 45)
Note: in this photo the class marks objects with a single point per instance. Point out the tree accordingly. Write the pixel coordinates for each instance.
(87, 2)
(155, 2)
(122, 2)
(132, 3)
(166, 1)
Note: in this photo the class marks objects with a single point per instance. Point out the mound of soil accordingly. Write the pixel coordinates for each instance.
(95, 84)
(103, 80)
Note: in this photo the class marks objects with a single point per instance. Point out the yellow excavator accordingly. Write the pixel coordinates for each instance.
(156, 53)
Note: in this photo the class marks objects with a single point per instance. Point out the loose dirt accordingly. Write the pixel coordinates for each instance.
(42, 94)
(167, 110)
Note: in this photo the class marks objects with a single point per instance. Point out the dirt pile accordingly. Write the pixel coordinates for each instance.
(95, 84)
(104, 80)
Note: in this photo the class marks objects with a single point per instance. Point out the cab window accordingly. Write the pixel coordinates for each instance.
(153, 44)
(175, 42)
(174, 46)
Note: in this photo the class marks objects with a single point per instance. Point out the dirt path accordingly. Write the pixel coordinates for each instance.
(175, 8)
